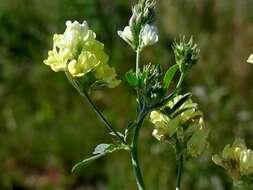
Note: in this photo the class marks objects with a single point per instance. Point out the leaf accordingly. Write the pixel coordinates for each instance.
(181, 111)
(86, 161)
(169, 75)
(100, 151)
(180, 102)
(173, 126)
(143, 76)
(131, 78)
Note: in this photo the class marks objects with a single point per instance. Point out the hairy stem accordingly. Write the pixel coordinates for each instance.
(179, 170)
(134, 153)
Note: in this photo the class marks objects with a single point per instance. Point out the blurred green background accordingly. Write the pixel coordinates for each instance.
(46, 127)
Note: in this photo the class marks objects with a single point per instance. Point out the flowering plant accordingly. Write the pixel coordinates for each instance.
(176, 118)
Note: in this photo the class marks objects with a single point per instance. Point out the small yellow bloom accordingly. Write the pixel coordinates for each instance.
(107, 74)
(80, 67)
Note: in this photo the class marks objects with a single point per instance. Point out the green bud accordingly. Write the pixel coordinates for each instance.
(186, 53)
(152, 87)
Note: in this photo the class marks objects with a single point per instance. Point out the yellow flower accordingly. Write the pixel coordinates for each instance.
(237, 160)
(184, 124)
(80, 67)
(58, 60)
(77, 52)
(108, 75)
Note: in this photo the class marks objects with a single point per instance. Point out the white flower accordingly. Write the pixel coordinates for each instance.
(250, 59)
(149, 35)
(127, 35)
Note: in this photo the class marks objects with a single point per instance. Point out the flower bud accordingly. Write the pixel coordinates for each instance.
(186, 53)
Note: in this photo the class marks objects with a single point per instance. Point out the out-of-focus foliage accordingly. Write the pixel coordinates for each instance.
(45, 127)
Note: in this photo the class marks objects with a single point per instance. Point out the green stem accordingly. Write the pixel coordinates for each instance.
(102, 117)
(137, 62)
(179, 170)
(134, 153)
(181, 79)
(95, 108)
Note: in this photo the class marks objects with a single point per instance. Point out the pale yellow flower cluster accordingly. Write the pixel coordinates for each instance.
(184, 125)
(78, 52)
(237, 160)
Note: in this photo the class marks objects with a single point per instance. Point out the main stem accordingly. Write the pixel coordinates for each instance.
(134, 154)
(179, 170)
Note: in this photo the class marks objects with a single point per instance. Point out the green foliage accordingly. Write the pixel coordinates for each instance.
(169, 76)
(132, 79)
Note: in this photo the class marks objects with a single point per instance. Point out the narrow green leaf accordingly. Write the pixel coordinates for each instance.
(175, 114)
(169, 76)
(86, 161)
(132, 78)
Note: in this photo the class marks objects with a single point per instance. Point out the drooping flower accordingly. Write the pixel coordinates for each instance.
(77, 52)
(238, 161)
(149, 35)
(181, 122)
